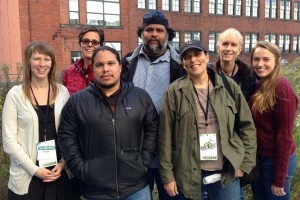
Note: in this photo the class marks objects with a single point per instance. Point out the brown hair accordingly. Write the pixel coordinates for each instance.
(264, 98)
(45, 49)
(92, 29)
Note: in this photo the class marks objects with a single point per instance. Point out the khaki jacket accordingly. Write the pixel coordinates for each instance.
(178, 141)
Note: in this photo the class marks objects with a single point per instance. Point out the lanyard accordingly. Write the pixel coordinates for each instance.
(207, 103)
(40, 110)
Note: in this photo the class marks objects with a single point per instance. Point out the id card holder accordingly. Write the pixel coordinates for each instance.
(46, 153)
(208, 146)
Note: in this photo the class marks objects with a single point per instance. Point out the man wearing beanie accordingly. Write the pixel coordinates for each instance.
(152, 66)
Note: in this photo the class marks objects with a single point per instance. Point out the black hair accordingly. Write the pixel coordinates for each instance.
(106, 48)
(92, 29)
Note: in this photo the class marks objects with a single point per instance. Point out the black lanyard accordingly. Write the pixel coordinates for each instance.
(42, 114)
(207, 103)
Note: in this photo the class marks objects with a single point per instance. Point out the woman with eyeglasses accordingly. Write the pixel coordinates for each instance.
(30, 120)
(78, 75)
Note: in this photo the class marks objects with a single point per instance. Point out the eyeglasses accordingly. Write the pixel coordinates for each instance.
(86, 41)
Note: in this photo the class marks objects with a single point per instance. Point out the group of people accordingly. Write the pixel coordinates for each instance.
(114, 127)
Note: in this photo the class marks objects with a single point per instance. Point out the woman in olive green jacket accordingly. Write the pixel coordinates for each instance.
(185, 119)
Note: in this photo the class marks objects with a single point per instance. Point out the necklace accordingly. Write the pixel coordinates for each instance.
(233, 70)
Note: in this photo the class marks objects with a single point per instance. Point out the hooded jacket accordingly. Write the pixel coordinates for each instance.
(179, 148)
(109, 151)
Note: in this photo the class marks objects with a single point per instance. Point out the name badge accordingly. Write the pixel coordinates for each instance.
(208, 146)
(46, 153)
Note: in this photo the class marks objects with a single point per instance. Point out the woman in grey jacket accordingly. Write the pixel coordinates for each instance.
(197, 137)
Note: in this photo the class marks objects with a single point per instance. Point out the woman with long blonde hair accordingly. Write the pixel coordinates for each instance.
(31, 116)
(274, 106)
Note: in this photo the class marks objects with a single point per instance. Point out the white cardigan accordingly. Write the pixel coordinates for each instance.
(20, 134)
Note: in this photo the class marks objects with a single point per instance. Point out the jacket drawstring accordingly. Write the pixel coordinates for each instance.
(124, 105)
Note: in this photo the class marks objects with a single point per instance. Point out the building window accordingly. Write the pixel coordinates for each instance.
(116, 45)
(192, 36)
(75, 55)
(140, 41)
(170, 5)
(103, 12)
(270, 38)
(213, 39)
(297, 11)
(147, 4)
(250, 41)
(193, 6)
(252, 8)
(270, 8)
(176, 41)
(74, 11)
(296, 44)
(284, 43)
(235, 7)
(216, 7)
(285, 9)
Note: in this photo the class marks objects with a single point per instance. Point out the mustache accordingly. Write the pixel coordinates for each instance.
(152, 39)
(105, 75)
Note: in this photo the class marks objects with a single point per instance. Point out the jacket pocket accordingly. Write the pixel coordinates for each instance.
(131, 167)
(182, 110)
(99, 174)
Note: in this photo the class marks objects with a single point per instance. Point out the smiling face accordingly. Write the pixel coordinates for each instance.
(194, 61)
(87, 50)
(229, 48)
(107, 70)
(155, 39)
(263, 62)
(40, 65)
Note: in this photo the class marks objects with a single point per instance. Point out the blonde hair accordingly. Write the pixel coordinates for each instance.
(264, 98)
(231, 32)
(45, 49)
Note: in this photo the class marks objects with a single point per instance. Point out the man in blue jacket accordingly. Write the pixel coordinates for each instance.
(108, 133)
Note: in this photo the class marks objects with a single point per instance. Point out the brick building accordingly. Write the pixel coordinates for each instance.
(59, 22)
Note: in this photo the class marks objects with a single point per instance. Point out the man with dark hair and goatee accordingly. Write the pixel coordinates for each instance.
(108, 133)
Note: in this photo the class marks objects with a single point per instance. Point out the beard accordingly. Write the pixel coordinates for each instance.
(155, 49)
(106, 86)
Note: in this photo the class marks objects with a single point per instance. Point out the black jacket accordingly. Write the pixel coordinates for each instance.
(129, 63)
(109, 152)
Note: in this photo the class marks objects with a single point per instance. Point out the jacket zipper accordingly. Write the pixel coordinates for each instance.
(116, 164)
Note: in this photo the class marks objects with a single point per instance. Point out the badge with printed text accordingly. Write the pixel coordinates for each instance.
(208, 146)
(46, 153)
